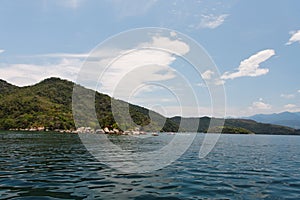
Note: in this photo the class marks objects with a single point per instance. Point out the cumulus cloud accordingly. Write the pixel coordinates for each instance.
(124, 70)
(250, 66)
(294, 38)
(212, 21)
(134, 69)
(28, 74)
(2, 50)
(149, 62)
(260, 105)
(210, 78)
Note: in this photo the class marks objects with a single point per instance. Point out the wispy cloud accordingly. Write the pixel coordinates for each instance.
(219, 81)
(189, 111)
(141, 65)
(212, 21)
(203, 85)
(294, 38)
(250, 66)
(69, 4)
(63, 55)
(291, 95)
(289, 106)
(287, 96)
(74, 4)
(260, 105)
(2, 50)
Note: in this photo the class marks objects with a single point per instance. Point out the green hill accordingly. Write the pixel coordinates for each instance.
(6, 87)
(49, 104)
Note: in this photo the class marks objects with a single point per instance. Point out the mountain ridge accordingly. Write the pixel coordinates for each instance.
(49, 104)
(290, 119)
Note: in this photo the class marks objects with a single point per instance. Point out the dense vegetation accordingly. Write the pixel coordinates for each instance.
(49, 104)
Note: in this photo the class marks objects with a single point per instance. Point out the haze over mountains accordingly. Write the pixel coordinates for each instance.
(290, 119)
(49, 104)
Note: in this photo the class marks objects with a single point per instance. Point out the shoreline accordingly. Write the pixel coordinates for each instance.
(131, 133)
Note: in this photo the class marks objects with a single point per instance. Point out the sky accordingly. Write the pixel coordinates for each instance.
(252, 48)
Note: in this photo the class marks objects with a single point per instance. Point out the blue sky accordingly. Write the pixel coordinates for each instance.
(254, 44)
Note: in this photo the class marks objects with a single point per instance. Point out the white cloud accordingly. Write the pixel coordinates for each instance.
(219, 82)
(207, 74)
(2, 50)
(250, 66)
(63, 55)
(212, 21)
(294, 38)
(173, 34)
(287, 96)
(164, 43)
(146, 88)
(134, 69)
(208, 77)
(148, 63)
(136, 66)
(148, 102)
(28, 74)
(186, 111)
(260, 105)
(289, 106)
(299, 91)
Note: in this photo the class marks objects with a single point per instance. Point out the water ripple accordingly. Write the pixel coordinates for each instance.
(57, 166)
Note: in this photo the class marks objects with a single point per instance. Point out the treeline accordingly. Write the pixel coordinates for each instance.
(48, 104)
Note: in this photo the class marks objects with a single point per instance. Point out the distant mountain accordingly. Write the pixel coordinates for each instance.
(290, 119)
(241, 126)
(49, 104)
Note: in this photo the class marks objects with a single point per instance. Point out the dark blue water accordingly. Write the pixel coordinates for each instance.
(57, 166)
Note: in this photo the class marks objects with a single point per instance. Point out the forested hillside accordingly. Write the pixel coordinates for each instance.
(48, 104)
